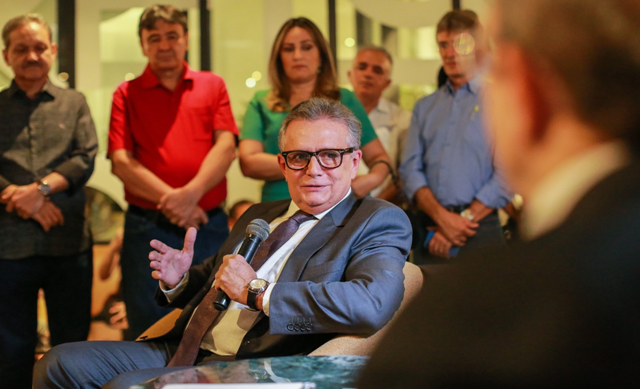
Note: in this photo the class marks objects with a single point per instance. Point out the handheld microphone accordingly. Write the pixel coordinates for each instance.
(257, 231)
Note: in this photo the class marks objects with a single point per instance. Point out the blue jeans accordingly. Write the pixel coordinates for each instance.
(66, 281)
(138, 287)
(85, 365)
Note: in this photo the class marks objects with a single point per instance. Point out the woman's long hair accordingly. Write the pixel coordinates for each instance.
(326, 82)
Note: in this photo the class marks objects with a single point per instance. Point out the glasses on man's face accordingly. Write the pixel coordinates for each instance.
(327, 158)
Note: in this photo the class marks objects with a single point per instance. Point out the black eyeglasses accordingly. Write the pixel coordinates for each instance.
(327, 158)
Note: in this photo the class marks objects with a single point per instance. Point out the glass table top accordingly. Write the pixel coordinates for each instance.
(339, 371)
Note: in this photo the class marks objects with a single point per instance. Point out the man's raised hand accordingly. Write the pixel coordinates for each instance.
(170, 264)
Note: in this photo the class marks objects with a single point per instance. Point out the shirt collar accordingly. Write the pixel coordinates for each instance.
(46, 89)
(472, 86)
(293, 208)
(149, 79)
(383, 106)
(50, 89)
(551, 201)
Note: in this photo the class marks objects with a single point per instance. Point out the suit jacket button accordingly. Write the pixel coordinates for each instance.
(290, 327)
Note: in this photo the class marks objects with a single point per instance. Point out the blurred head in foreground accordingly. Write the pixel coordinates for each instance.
(236, 210)
(561, 308)
(565, 76)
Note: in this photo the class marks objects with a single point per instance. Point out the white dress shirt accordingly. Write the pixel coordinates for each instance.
(230, 327)
(391, 124)
(554, 198)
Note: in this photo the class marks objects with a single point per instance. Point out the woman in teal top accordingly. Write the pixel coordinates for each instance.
(301, 66)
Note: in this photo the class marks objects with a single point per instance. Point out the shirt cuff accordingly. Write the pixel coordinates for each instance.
(266, 298)
(4, 183)
(412, 184)
(170, 294)
(74, 174)
(493, 199)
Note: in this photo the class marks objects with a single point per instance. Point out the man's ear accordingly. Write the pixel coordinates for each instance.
(142, 48)
(356, 158)
(283, 165)
(5, 55)
(529, 84)
(54, 49)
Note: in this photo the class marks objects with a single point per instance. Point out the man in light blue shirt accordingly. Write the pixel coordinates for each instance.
(447, 164)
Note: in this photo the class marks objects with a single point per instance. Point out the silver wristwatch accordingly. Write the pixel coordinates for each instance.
(256, 287)
(44, 188)
(467, 214)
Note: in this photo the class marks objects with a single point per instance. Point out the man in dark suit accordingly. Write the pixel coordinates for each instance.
(561, 308)
(339, 272)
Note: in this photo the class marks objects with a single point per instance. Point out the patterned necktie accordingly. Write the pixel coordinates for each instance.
(206, 314)
(278, 237)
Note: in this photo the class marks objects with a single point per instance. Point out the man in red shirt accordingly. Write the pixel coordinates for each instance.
(171, 142)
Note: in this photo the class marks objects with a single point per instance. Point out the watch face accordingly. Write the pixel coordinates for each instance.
(44, 188)
(257, 284)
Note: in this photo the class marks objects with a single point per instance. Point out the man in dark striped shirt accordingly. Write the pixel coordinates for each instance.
(47, 149)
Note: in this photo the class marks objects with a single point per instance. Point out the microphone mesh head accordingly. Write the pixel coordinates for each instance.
(259, 228)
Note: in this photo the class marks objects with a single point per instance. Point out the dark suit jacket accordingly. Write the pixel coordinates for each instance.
(560, 311)
(345, 276)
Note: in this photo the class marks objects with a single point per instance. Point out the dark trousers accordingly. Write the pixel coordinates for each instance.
(110, 365)
(489, 232)
(138, 287)
(66, 282)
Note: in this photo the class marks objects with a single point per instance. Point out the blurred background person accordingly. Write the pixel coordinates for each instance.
(114, 311)
(171, 142)
(448, 167)
(301, 66)
(561, 308)
(236, 210)
(370, 75)
(48, 145)
(442, 77)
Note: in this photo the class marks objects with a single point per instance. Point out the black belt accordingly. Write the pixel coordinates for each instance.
(457, 208)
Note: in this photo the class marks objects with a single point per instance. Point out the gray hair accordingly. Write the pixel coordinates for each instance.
(378, 49)
(23, 20)
(592, 46)
(318, 108)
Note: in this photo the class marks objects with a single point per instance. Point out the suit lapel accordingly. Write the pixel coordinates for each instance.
(265, 211)
(316, 239)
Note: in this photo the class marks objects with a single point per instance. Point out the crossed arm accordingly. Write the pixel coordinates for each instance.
(29, 203)
(180, 205)
(70, 175)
